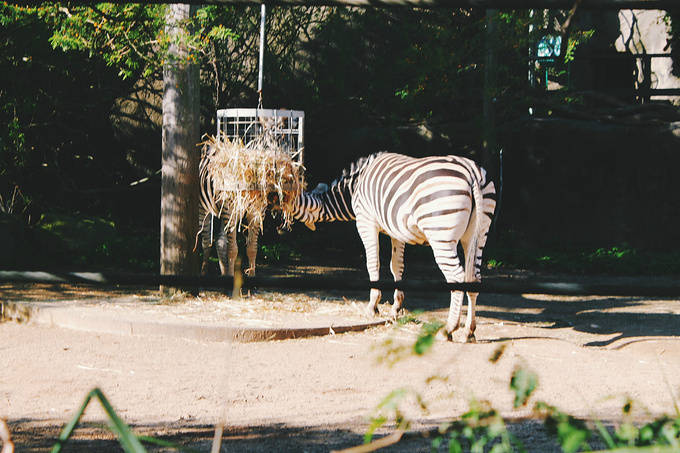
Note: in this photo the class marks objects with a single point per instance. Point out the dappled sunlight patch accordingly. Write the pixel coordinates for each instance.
(50, 291)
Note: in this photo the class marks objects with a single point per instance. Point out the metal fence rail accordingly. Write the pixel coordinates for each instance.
(498, 285)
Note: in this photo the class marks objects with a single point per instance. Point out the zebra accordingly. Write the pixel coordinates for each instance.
(438, 200)
(227, 248)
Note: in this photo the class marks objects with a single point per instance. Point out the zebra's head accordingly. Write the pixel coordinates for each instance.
(329, 203)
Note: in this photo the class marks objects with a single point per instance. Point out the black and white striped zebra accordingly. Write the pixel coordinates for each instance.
(439, 200)
(214, 229)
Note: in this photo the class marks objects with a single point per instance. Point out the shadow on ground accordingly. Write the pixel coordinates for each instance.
(624, 317)
(39, 436)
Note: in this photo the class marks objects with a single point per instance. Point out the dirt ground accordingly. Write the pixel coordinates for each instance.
(591, 354)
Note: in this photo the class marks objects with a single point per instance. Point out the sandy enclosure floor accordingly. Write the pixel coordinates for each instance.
(590, 353)
(263, 309)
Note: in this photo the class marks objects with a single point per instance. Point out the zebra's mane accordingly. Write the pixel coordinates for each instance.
(348, 174)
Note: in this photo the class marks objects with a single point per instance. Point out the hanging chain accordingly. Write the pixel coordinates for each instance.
(261, 62)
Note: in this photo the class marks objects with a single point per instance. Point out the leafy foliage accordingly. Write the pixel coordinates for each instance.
(482, 429)
(388, 409)
(571, 433)
(618, 259)
(80, 115)
(523, 383)
(426, 338)
(94, 242)
(72, 66)
(129, 37)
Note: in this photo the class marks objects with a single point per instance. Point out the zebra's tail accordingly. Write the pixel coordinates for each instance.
(471, 252)
(207, 191)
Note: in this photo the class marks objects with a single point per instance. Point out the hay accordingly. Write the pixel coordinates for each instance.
(240, 180)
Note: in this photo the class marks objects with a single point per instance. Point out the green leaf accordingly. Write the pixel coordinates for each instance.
(426, 338)
(454, 445)
(391, 401)
(376, 422)
(571, 437)
(423, 344)
(436, 443)
(126, 438)
(523, 384)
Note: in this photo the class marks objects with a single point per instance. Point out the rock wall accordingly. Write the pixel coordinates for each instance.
(629, 32)
(646, 32)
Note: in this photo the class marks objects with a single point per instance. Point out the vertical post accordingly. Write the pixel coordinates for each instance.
(179, 175)
(219, 128)
(301, 139)
(489, 142)
(532, 62)
(646, 85)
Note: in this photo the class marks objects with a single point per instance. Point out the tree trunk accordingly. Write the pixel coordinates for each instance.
(180, 155)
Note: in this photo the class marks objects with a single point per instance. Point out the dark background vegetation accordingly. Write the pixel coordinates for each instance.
(583, 191)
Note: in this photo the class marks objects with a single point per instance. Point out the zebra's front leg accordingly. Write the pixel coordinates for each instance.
(227, 249)
(368, 232)
(397, 268)
(251, 248)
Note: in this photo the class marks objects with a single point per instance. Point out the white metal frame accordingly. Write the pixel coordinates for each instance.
(247, 124)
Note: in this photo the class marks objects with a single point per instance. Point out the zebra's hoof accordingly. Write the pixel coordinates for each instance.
(372, 312)
(459, 336)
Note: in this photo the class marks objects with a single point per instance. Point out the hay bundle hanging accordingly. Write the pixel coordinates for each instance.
(238, 179)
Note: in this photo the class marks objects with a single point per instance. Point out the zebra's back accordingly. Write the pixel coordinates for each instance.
(416, 199)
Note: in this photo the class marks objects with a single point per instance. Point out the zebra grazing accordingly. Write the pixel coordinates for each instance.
(437, 200)
(225, 244)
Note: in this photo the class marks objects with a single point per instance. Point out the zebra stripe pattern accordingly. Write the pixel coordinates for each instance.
(225, 243)
(213, 232)
(439, 200)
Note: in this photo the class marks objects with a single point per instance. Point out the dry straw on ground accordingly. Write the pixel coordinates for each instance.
(240, 180)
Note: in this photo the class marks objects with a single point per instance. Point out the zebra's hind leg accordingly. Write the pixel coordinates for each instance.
(473, 264)
(470, 324)
(453, 321)
(397, 268)
(446, 256)
(251, 248)
(207, 248)
(368, 231)
(227, 249)
(206, 241)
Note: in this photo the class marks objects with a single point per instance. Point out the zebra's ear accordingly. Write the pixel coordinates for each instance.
(320, 188)
(311, 225)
